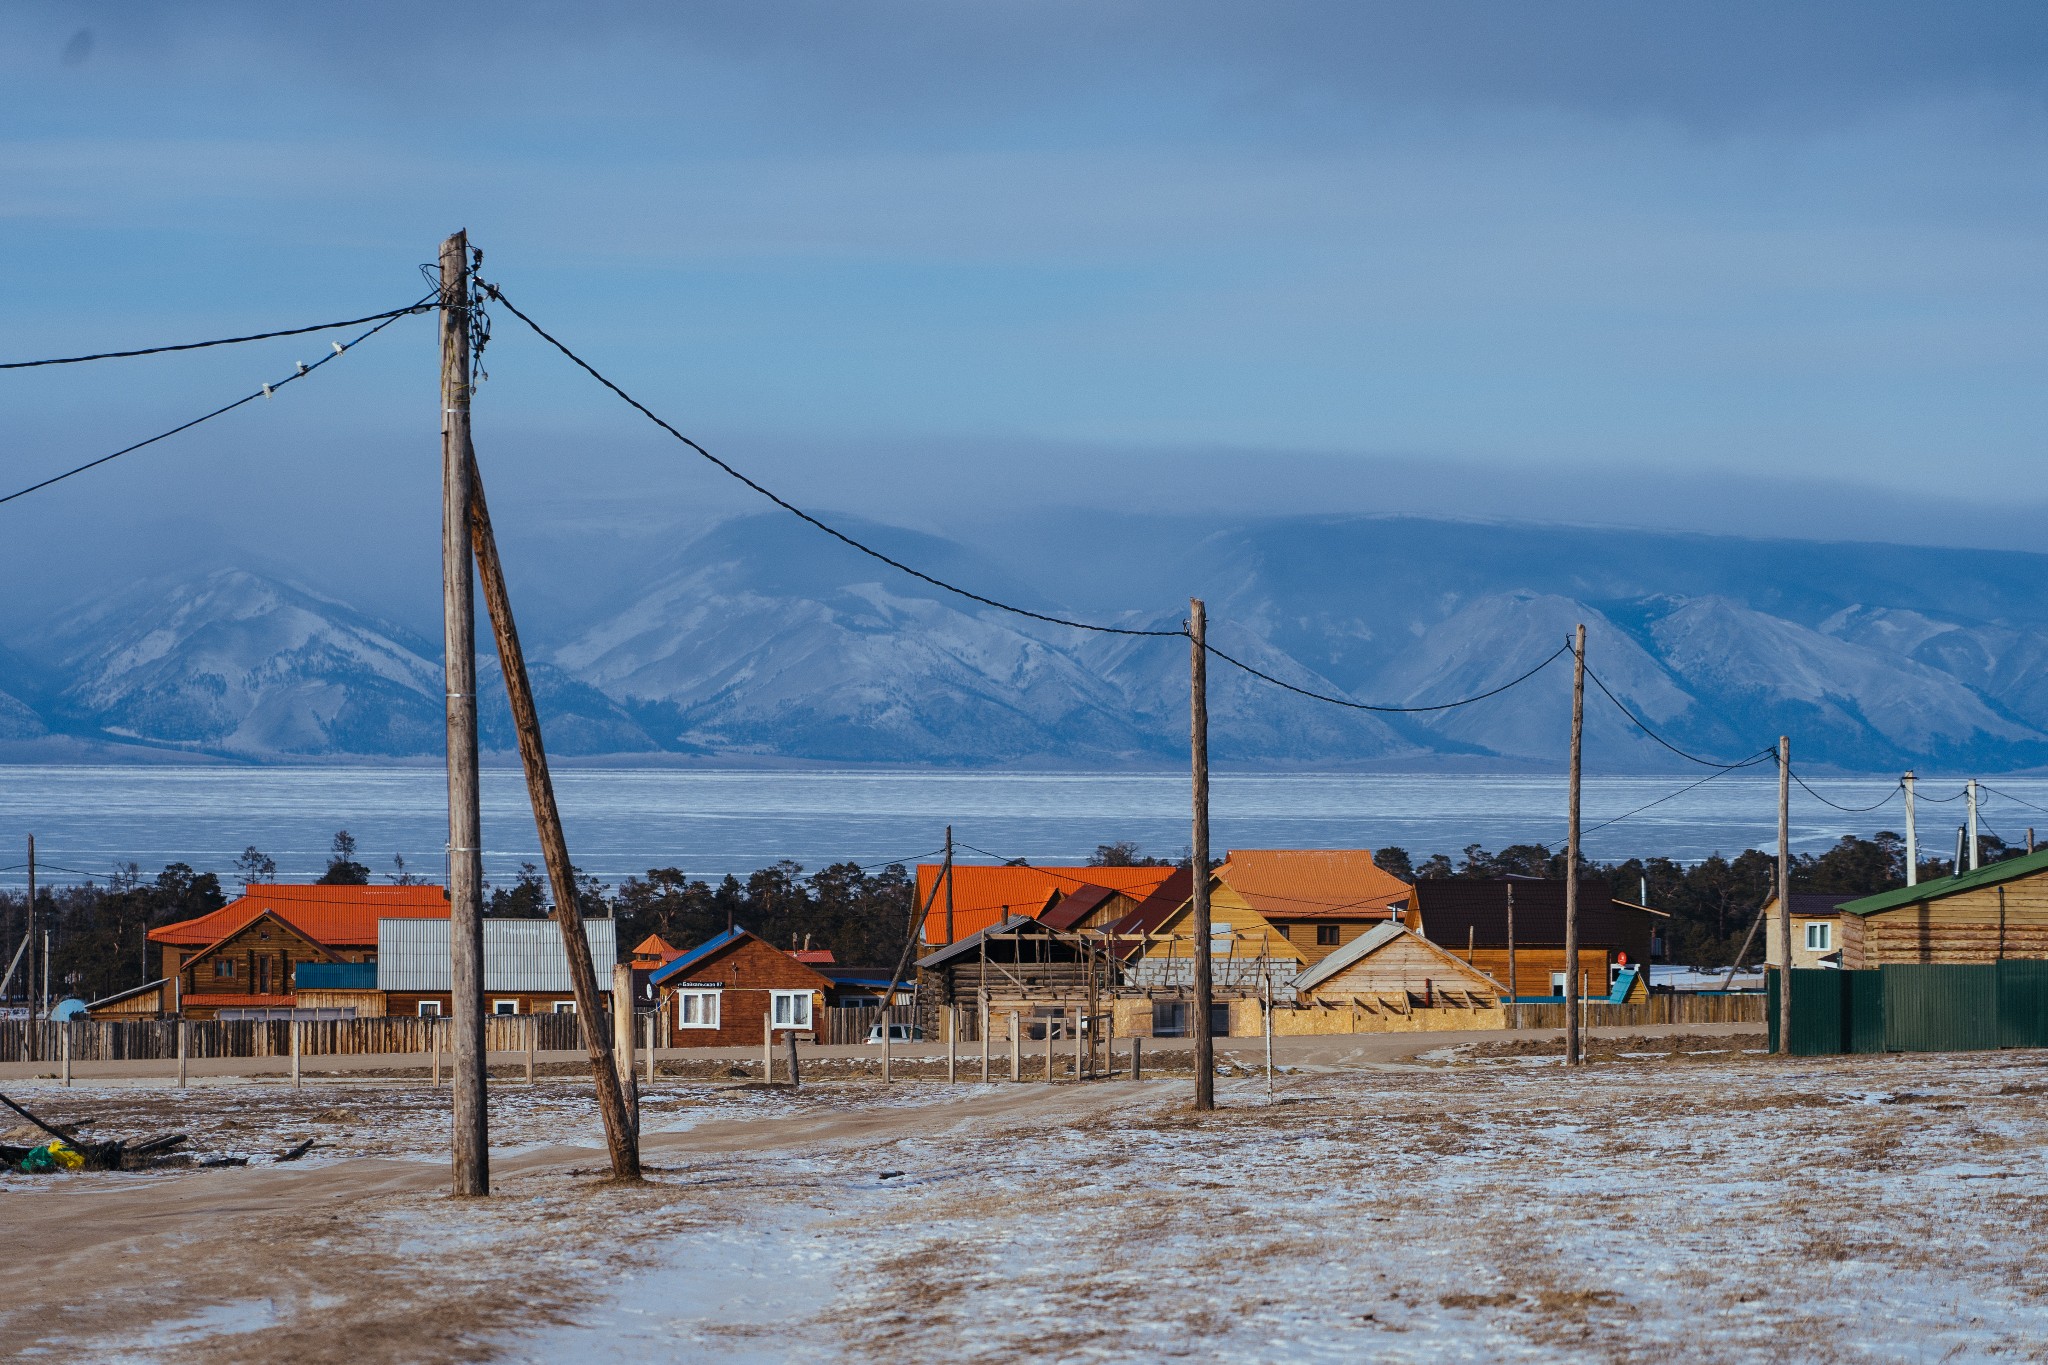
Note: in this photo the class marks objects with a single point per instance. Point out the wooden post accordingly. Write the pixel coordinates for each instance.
(434, 1047)
(650, 1042)
(952, 1043)
(1080, 1031)
(1970, 787)
(183, 1048)
(1198, 750)
(532, 1043)
(1137, 1067)
(984, 1021)
(768, 1048)
(948, 875)
(35, 1017)
(621, 1132)
(1514, 987)
(1785, 893)
(888, 1019)
(1016, 1049)
(64, 1046)
(622, 1038)
(795, 1080)
(471, 1151)
(1048, 1048)
(1266, 1008)
(298, 1045)
(1572, 1054)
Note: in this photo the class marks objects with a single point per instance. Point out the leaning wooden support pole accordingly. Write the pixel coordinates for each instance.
(620, 1136)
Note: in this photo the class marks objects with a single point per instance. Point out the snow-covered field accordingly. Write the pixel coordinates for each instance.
(1708, 1205)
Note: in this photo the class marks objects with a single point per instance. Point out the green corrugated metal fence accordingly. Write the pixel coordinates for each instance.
(1915, 1008)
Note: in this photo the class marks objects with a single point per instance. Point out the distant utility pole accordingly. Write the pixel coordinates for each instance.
(471, 1147)
(1971, 787)
(614, 1101)
(35, 1036)
(1912, 834)
(1784, 894)
(948, 874)
(1514, 987)
(1573, 1056)
(1198, 747)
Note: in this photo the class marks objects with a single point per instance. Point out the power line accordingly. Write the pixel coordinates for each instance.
(340, 348)
(1761, 756)
(498, 296)
(2010, 797)
(1644, 727)
(422, 306)
(1851, 810)
(1369, 706)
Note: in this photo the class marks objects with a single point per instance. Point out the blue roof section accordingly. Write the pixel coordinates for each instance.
(698, 954)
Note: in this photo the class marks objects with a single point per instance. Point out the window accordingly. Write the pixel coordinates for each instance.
(696, 1009)
(792, 1008)
(504, 1007)
(1326, 936)
(224, 967)
(565, 1007)
(1820, 938)
(1557, 983)
(1169, 1019)
(430, 1009)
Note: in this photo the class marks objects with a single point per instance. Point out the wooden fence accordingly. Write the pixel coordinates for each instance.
(846, 1024)
(157, 1040)
(1679, 1007)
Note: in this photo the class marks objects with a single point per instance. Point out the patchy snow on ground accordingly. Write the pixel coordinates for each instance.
(1700, 1203)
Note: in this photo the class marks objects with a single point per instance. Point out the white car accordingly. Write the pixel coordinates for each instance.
(898, 1033)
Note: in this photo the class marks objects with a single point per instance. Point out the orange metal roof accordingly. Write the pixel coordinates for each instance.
(983, 895)
(1312, 883)
(329, 915)
(656, 950)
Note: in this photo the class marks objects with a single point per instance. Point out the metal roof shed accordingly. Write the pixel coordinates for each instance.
(519, 954)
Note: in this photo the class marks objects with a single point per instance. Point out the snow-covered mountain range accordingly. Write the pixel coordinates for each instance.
(763, 639)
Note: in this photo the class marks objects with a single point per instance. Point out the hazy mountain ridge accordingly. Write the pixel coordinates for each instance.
(765, 639)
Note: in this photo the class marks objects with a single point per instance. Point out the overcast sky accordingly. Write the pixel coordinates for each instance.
(1754, 267)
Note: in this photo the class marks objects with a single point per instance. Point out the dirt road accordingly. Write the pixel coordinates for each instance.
(1706, 1203)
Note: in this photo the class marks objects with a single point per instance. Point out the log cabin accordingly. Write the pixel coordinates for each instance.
(1391, 977)
(722, 992)
(1998, 911)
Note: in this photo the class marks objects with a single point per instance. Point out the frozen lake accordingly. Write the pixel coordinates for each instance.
(624, 821)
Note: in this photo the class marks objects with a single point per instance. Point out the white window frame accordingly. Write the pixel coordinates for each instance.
(797, 1015)
(1824, 931)
(504, 1007)
(564, 1007)
(707, 1011)
(430, 1009)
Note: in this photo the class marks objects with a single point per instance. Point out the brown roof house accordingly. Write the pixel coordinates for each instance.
(730, 990)
(1471, 919)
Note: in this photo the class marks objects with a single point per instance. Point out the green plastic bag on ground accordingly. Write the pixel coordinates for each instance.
(51, 1156)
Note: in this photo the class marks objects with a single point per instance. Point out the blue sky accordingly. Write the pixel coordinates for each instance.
(1746, 267)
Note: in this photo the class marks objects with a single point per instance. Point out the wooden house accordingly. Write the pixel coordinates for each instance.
(1816, 929)
(1470, 919)
(1392, 977)
(1318, 899)
(1247, 951)
(1998, 911)
(525, 969)
(652, 953)
(960, 900)
(244, 957)
(1087, 907)
(723, 993)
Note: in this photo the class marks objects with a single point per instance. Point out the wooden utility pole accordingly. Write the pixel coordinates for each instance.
(1572, 1041)
(1514, 987)
(948, 874)
(622, 1035)
(1784, 893)
(621, 1136)
(472, 1144)
(1913, 835)
(1198, 748)
(35, 1032)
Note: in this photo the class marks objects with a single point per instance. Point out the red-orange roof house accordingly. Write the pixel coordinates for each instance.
(983, 895)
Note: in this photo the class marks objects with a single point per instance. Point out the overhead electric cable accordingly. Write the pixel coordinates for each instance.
(340, 348)
(1850, 810)
(422, 306)
(1761, 756)
(498, 296)
(1370, 706)
(1644, 727)
(2010, 797)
